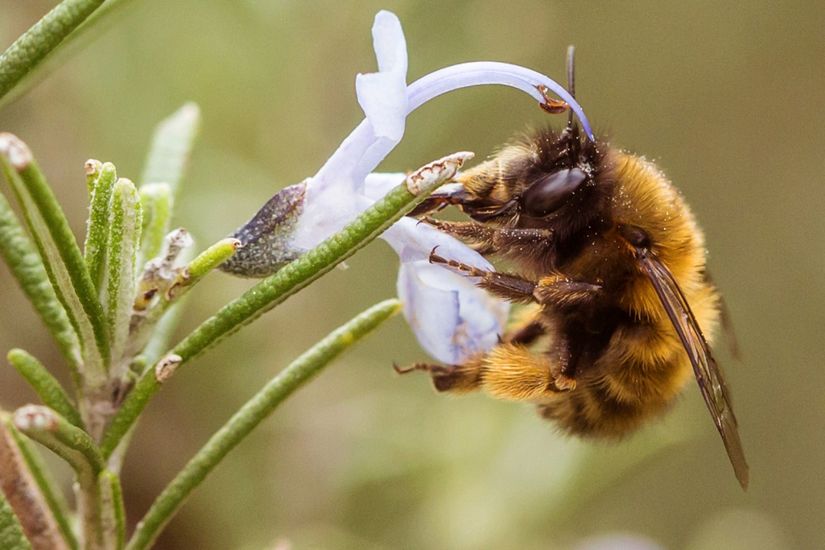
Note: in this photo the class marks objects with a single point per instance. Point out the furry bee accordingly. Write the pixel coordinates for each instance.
(612, 261)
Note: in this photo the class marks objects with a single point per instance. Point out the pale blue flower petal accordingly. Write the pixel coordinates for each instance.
(378, 184)
(383, 95)
(383, 98)
(414, 241)
(452, 319)
(389, 43)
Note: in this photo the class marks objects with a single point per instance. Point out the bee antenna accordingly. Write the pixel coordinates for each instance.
(572, 127)
(571, 79)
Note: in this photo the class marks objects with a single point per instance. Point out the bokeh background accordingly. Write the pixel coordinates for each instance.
(726, 98)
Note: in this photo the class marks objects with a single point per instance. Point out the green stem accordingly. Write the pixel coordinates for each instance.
(45, 385)
(114, 524)
(278, 287)
(253, 413)
(35, 44)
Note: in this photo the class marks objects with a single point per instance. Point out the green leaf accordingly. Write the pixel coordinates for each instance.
(124, 236)
(171, 147)
(70, 45)
(35, 44)
(97, 228)
(69, 442)
(278, 287)
(156, 200)
(45, 385)
(11, 533)
(27, 268)
(60, 253)
(254, 411)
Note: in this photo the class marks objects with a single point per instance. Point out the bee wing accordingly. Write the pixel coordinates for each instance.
(708, 374)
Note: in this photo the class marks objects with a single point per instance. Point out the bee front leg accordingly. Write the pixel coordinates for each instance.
(509, 287)
(559, 291)
(486, 239)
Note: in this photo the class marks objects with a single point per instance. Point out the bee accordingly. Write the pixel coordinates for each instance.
(610, 260)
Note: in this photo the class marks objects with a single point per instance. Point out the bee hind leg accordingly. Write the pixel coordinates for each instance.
(512, 372)
(452, 378)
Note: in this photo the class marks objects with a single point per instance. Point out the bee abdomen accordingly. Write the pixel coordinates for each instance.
(618, 403)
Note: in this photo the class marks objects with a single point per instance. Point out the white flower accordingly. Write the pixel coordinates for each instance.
(452, 318)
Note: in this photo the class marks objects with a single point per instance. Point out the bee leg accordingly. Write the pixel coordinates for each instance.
(514, 373)
(451, 379)
(487, 239)
(509, 287)
(563, 365)
(559, 291)
(440, 200)
(526, 334)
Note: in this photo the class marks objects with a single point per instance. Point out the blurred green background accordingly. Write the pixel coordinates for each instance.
(727, 99)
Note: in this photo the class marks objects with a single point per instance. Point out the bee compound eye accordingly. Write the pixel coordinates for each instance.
(636, 236)
(549, 193)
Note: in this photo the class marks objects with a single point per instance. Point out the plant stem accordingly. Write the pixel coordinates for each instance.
(251, 414)
(114, 522)
(44, 36)
(278, 287)
(44, 384)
